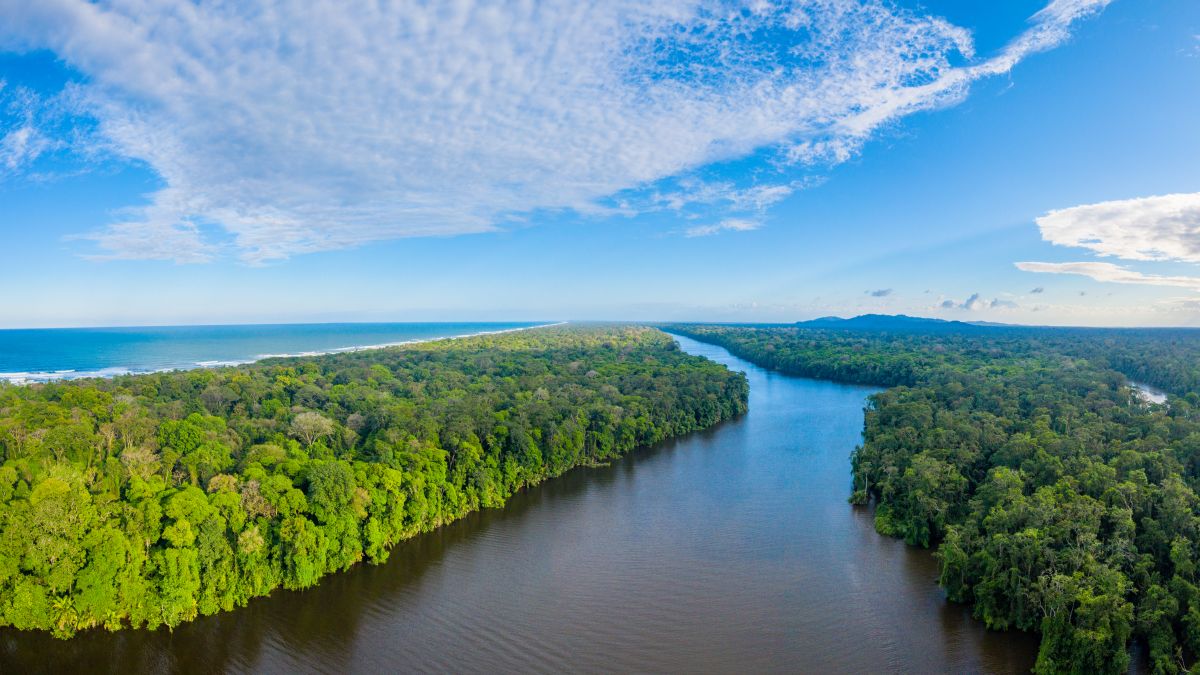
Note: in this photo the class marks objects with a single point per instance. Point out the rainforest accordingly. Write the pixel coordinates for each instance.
(149, 500)
(1057, 498)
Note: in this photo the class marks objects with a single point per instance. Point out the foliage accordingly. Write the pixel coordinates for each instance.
(1058, 500)
(149, 500)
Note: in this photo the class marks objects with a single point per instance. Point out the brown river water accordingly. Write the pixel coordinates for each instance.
(728, 551)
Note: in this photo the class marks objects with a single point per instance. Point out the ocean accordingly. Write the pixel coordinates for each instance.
(43, 354)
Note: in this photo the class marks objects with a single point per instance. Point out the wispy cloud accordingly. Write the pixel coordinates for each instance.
(299, 127)
(1177, 306)
(29, 123)
(729, 224)
(1110, 273)
(689, 192)
(880, 293)
(1165, 227)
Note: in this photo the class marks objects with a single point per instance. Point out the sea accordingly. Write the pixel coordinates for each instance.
(44, 354)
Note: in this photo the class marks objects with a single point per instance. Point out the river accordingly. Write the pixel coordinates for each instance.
(1148, 393)
(732, 550)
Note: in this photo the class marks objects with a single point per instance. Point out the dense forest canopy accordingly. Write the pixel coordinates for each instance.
(148, 500)
(1059, 500)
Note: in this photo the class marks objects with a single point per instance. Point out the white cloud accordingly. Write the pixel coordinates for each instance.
(1110, 273)
(156, 232)
(300, 127)
(22, 140)
(19, 146)
(690, 191)
(1165, 227)
(729, 224)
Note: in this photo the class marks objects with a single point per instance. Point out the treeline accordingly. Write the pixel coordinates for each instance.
(1058, 500)
(148, 500)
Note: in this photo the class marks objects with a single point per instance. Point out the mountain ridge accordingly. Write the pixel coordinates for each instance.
(892, 322)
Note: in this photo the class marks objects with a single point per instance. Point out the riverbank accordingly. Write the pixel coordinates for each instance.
(728, 550)
(191, 494)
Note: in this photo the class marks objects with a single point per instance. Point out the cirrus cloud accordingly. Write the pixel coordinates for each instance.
(1110, 273)
(729, 224)
(300, 127)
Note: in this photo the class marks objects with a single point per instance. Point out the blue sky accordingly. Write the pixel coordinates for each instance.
(1020, 161)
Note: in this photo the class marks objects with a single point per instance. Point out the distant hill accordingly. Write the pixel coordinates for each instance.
(895, 323)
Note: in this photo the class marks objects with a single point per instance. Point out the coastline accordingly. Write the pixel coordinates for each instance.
(292, 537)
(41, 377)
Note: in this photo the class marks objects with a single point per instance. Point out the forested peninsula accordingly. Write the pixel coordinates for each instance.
(148, 500)
(1058, 500)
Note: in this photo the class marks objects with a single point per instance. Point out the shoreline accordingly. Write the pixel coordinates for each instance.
(21, 379)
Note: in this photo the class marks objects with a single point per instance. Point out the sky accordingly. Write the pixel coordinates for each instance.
(173, 162)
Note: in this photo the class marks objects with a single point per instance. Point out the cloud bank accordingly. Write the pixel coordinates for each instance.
(293, 127)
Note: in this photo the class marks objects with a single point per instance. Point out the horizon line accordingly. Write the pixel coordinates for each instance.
(547, 322)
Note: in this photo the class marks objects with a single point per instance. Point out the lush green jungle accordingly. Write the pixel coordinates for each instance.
(149, 500)
(1058, 499)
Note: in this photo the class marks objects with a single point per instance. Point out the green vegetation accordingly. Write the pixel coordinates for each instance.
(1058, 500)
(149, 500)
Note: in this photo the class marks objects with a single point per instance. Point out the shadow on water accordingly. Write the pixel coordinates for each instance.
(730, 550)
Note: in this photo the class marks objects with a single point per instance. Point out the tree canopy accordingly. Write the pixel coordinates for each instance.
(149, 500)
(1058, 499)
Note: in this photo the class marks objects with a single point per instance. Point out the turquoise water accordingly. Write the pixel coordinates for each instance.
(40, 354)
